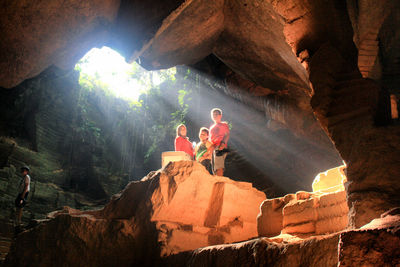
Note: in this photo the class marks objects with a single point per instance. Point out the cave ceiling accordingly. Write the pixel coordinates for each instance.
(264, 47)
(268, 43)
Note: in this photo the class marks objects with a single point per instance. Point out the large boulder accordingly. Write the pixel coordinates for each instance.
(179, 208)
(190, 207)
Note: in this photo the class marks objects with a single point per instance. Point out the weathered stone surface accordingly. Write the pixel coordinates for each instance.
(375, 244)
(281, 251)
(304, 214)
(38, 34)
(74, 239)
(319, 214)
(187, 203)
(172, 156)
(178, 208)
(270, 219)
(187, 35)
(347, 108)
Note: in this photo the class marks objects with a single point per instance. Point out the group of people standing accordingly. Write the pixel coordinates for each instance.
(211, 151)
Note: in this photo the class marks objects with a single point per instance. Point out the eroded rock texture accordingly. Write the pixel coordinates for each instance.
(376, 244)
(303, 214)
(316, 251)
(40, 33)
(177, 209)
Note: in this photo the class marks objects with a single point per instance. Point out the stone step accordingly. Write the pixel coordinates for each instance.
(5, 250)
(368, 42)
(368, 49)
(372, 52)
(364, 68)
(5, 238)
(4, 243)
(366, 60)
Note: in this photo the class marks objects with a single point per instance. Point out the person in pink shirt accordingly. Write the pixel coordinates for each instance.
(219, 136)
(182, 142)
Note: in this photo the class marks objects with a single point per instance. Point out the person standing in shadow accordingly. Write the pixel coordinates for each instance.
(23, 191)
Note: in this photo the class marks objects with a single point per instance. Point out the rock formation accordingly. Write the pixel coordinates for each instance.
(305, 214)
(178, 208)
(375, 244)
(336, 59)
(279, 45)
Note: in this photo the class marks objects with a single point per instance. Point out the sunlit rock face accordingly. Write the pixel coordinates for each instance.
(305, 214)
(330, 181)
(178, 208)
(192, 208)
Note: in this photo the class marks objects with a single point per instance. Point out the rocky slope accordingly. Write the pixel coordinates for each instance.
(179, 208)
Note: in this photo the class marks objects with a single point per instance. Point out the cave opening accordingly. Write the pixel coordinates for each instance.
(103, 137)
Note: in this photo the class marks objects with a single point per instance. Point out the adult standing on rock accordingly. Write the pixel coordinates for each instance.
(23, 191)
(219, 136)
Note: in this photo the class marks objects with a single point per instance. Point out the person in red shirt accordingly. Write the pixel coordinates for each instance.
(182, 142)
(219, 136)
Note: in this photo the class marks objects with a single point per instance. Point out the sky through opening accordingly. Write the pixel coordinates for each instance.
(121, 78)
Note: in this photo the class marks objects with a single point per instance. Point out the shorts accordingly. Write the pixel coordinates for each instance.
(218, 161)
(18, 203)
(207, 163)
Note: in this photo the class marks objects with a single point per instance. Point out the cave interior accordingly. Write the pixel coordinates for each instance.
(323, 76)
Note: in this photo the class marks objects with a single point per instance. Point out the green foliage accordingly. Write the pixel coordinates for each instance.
(136, 131)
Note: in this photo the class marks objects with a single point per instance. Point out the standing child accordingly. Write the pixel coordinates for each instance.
(182, 142)
(203, 150)
(219, 136)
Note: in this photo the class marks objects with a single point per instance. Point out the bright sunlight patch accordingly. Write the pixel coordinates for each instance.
(107, 69)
